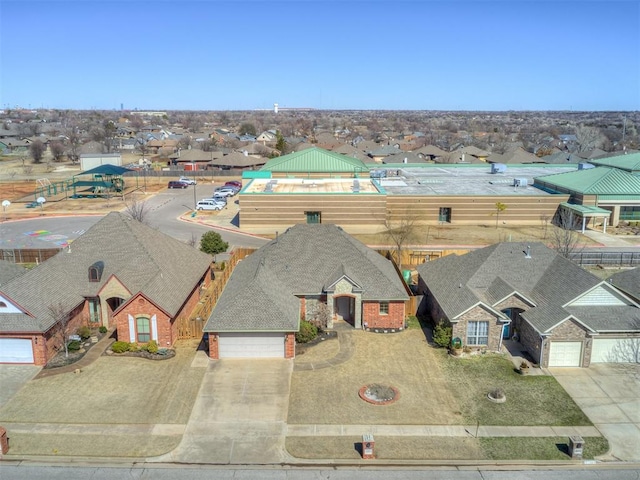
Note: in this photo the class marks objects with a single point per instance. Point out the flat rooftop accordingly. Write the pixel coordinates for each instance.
(468, 180)
(322, 185)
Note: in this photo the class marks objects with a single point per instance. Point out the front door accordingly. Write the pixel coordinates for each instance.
(344, 308)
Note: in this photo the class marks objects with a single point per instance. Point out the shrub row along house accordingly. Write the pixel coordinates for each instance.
(120, 274)
(562, 315)
(306, 272)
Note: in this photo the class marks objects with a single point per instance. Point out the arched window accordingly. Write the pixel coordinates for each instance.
(93, 274)
(3, 305)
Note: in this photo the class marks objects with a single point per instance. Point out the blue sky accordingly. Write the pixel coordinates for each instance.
(239, 55)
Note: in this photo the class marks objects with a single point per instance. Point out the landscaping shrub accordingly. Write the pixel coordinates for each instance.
(442, 335)
(152, 346)
(74, 345)
(120, 347)
(134, 347)
(84, 332)
(308, 331)
(102, 329)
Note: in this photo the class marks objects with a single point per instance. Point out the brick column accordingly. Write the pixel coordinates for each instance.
(213, 346)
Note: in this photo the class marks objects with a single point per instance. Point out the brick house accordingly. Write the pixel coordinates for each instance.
(120, 273)
(309, 271)
(561, 314)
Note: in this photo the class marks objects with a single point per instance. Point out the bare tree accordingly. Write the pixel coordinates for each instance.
(37, 149)
(589, 138)
(137, 210)
(321, 316)
(400, 232)
(74, 142)
(62, 322)
(57, 150)
(500, 207)
(565, 238)
(193, 241)
(544, 220)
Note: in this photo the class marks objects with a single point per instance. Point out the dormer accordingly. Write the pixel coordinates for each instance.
(95, 271)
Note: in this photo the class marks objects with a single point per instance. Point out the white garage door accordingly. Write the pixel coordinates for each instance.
(251, 345)
(565, 354)
(618, 350)
(16, 350)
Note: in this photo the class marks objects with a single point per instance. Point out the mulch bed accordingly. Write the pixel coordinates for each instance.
(60, 360)
(168, 353)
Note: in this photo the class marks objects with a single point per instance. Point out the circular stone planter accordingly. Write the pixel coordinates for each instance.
(377, 394)
(496, 399)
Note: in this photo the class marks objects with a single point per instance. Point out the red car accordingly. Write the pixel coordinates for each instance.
(233, 183)
(176, 184)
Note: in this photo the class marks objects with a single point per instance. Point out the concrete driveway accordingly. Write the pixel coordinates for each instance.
(13, 378)
(239, 416)
(609, 394)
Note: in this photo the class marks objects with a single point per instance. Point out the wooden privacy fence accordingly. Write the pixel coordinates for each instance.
(27, 255)
(191, 326)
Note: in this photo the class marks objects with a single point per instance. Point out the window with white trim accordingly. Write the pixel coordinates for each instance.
(477, 333)
(144, 329)
(384, 308)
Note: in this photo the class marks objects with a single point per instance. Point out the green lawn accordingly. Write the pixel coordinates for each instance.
(531, 400)
(538, 448)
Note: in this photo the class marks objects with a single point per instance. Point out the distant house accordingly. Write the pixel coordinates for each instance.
(120, 273)
(629, 282)
(379, 154)
(562, 315)
(306, 272)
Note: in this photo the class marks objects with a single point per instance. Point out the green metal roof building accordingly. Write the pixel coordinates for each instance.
(610, 188)
(629, 163)
(316, 162)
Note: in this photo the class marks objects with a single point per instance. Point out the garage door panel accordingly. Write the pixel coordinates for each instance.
(565, 354)
(254, 345)
(615, 350)
(16, 350)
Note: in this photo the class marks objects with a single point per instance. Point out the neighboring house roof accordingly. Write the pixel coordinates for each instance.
(404, 157)
(517, 155)
(238, 160)
(261, 294)
(143, 259)
(9, 271)
(562, 158)
(431, 150)
(385, 151)
(195, 155)
(315, 160)
(545, 280)
(629, 163)
(351, 151)
(627, 281)
(593, 181)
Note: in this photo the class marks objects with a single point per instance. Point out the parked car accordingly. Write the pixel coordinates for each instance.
(221, 200)
(233, 183)
(187, 180)
(209, 205)
(225, 192)
(177, 184)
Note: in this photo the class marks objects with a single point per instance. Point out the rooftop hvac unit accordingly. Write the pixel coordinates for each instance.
(585, 166)
(498, 168)
(378, 174)
(520, 182)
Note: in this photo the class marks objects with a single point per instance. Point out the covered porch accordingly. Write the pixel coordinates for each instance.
(587, 212)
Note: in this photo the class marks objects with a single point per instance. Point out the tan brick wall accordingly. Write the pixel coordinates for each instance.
(374, 320)
(569, 331)
(479, 314)
(512, 302)
(113, 288)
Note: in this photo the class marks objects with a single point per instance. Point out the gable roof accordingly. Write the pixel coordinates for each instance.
(9, 271)
(315, 160)
(304, 260)
(546, 280)
(162, 268)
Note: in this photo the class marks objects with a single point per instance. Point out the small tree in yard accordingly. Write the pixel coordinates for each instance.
(442, 335)
(400, 232)
(565, 239)
(63, 321)
(212, 243)
(321, 316)
(500, 207)
(137, 210)
(57, 151)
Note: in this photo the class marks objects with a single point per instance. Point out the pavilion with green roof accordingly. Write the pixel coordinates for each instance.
(316, 161)
(606, 188)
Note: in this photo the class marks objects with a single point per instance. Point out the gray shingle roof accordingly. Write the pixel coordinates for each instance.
(142, 258)
(261, 293)
(628, 281)
(547, 280)
(9, 271)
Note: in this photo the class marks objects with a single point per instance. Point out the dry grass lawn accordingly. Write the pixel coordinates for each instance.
(121, 390)
(403, 360)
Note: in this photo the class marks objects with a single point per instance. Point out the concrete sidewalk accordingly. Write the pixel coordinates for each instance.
(438, 431)
(606, 240)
